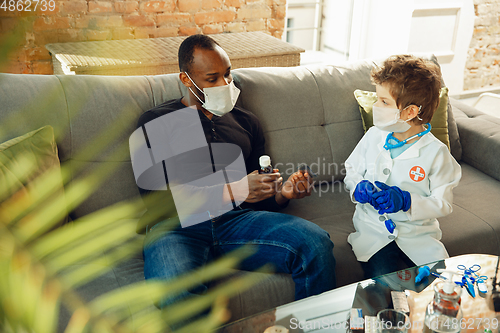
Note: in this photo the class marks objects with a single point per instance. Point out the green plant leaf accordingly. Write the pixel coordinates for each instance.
(40, 268)
(154, 291)
(59, 240)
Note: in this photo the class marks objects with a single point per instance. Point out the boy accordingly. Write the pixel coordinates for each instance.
(400, 171)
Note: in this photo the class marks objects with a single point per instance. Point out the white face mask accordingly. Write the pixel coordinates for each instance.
(387, 119)
(218, 100)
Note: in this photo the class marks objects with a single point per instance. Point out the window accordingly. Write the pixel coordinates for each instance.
(304, 19)
(337, 23)
(321, 27)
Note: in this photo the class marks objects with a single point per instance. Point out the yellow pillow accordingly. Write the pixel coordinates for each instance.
(439, 121)
(35, 151)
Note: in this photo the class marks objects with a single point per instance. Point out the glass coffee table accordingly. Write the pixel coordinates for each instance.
(328, 312)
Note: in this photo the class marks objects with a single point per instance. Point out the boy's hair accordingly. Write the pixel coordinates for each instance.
(411, 81)
(186, 49)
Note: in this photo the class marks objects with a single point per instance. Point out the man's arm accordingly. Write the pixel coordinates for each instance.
(271, 202)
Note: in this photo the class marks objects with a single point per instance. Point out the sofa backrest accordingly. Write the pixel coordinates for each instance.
(96, 112)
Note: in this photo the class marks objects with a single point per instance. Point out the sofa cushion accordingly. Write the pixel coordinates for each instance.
(474, 224)
(480, 137)
(103, 112)
(439, 121)
(288, 104)
(26, 162)
(455, 143)
(273, 290)
(119, 276)
(33, 101)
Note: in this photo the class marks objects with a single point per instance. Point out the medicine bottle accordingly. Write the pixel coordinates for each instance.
(265, 164)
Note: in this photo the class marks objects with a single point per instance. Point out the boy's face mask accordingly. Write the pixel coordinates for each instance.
(218, 100)
(388, 119)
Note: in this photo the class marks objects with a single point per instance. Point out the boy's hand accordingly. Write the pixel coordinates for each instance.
(364, 192)
(391, 199)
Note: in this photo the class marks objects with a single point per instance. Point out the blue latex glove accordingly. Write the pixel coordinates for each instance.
(391, 199)
(364, 192)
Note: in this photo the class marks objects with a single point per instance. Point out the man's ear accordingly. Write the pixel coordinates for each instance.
(185, 80)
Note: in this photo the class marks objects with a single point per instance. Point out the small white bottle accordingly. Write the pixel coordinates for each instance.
(265, 164)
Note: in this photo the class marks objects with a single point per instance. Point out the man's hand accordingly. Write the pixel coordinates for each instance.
(298, 185)
(263, 186)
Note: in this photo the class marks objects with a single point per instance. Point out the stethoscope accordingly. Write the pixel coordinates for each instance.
(398, 143)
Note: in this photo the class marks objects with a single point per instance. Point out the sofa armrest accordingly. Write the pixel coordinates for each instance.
(480, 138)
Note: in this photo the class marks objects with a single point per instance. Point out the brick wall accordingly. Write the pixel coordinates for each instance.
(483, 59)
(80, 20)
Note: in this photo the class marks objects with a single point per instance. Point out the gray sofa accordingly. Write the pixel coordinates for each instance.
(309, 115)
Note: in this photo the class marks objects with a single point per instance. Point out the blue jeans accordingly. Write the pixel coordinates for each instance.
(388, 259)
(293, 245)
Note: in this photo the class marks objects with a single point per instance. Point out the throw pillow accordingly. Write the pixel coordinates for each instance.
(22, 161)
(439, 121)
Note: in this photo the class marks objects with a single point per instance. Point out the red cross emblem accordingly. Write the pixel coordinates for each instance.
(404, 275)
(417, 173)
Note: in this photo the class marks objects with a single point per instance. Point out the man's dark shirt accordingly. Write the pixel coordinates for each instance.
(239, 127)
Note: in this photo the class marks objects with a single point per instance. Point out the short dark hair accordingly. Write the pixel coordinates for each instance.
(411, 81)
(186, 49)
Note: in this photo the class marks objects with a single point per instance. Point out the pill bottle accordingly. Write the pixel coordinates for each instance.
(265, 164)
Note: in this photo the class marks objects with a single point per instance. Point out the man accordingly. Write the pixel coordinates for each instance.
(293, 245)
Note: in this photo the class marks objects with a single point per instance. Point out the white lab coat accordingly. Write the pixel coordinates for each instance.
(426, 170)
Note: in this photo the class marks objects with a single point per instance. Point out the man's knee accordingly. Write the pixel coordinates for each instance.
(315, 244)
(316, 238)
